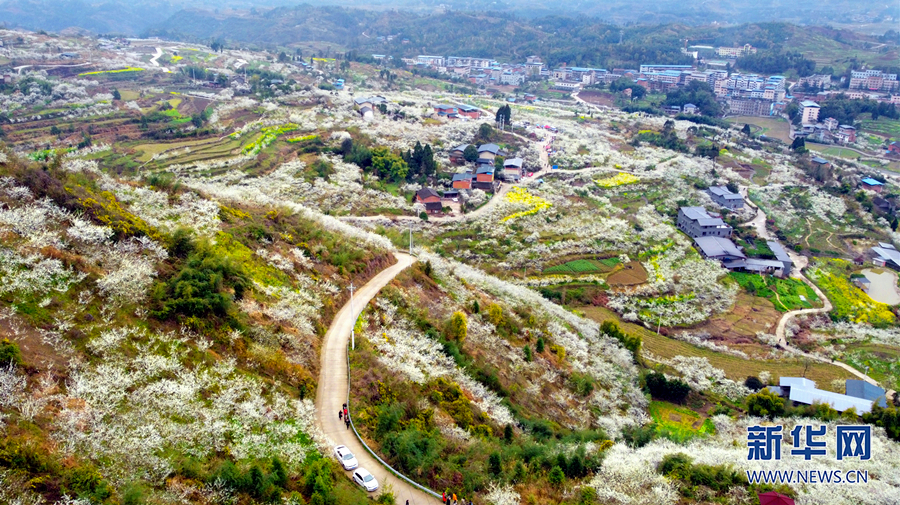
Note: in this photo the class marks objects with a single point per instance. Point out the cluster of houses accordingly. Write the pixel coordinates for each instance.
(459, 111)
(481, 71)
(483, 175)
(860, 395)
(825, 131)
(712, 236)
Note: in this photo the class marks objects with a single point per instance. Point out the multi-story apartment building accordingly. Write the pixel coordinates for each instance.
(735, 52)
(873, 80)
(749, 106)
(818, 80)
(810, 112)
(647, 69)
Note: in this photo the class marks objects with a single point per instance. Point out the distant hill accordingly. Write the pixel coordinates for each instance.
(137, 16)
(129, 18)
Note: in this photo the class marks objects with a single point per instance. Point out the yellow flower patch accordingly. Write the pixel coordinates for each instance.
(98, 72)
(520, 195)
(619, 179)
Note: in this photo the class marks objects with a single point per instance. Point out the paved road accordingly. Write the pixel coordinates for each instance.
(154, 61)
(800, 262)
(332, 389)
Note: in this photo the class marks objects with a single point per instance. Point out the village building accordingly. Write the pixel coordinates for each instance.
(430, 199)
(463, 181)
(513, 169)
(724, 197)
(457, 154)
(696, 222)
(872, 184)
(719, 248)
(802, 391)
(886, 255)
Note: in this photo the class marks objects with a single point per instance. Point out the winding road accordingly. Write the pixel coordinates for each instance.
(333, 385)
(759, 223)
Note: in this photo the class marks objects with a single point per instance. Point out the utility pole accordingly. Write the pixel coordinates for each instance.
(352, 328)
(410, 239)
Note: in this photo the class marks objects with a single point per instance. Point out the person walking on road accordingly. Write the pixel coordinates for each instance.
(340, 415)
(347, 421)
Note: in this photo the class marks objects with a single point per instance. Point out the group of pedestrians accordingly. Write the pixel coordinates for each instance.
(451, 500)
(345, 415)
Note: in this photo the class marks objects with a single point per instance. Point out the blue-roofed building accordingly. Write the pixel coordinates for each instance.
(872, 184)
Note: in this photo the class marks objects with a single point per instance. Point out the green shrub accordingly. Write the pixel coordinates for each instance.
(765, 404)
(556, 476)
(674, 390)
(495, 465)
(203, 287)
(10, 354)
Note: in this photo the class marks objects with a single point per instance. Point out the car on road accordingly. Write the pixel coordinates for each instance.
(365, 479)
(347, 459)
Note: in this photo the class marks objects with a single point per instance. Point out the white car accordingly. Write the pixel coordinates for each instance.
(365, 479)
(347, 459)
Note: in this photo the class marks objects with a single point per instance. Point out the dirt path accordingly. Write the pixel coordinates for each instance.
(333, 386)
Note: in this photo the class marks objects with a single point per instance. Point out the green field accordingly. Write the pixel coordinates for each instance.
(840, 152)
(774, 127)
(679, 423)
(826, 51)
(783, 293)
(583, 266)
(888, 127)
(883, 362)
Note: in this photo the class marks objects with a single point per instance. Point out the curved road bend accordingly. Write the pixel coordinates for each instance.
(332, 389)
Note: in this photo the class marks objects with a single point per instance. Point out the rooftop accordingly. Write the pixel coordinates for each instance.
(491, 148)
(778, 251)
(714, 247)
(837, 401)
(872, 182)
(808, 103)
(724, 192)
(426, 193)
(821, 161)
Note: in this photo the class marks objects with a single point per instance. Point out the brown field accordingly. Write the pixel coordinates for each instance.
(769, 126)
(597, 98)
(631, 274)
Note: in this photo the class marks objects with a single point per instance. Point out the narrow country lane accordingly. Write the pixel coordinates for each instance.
(332, 390)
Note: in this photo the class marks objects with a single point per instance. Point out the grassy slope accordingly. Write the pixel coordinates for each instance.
(735, 368)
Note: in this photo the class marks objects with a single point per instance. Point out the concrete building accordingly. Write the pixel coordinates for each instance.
(810, 112)
(724, 197)
(696, 222)
(735, 52)
(873, 80)
(647, 69)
